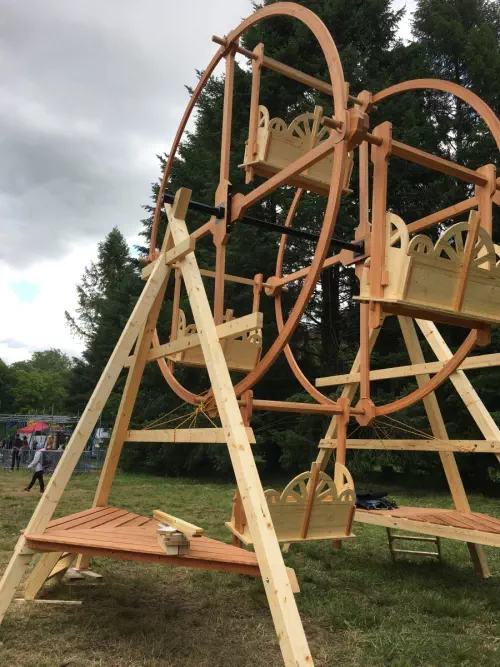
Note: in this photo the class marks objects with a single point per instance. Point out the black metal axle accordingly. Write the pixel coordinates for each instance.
(219, 211)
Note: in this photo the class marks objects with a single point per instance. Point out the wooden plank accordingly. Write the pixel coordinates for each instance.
(95, 511)
(430, 367)
(282, 604)
(292, 578)
(184, 435)
(182, 526)
(68, 603)
(290, 72)
(487, 523)
(461, 446)
(178, 561)
(138, 521)
(202, 548)
(90, 520)
(121, 521)
(232, 328)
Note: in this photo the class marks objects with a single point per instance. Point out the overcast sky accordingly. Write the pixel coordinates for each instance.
(90, 92)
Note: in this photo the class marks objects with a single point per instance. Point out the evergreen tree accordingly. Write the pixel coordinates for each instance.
(7, 379)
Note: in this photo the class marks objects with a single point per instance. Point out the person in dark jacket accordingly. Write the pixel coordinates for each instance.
(16, 452)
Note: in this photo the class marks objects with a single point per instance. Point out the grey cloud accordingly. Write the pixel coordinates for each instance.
(11, 342)
(89, 92)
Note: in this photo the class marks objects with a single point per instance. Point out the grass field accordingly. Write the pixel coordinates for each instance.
(357, 606)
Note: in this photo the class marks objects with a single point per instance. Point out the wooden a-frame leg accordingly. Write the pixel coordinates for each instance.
(438, 428)
(40, 573)
(289, 630)
(124, 414)
(59, 480)
(462, 384)
(12, 576)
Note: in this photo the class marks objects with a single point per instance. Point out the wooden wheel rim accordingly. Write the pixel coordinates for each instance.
(325, 40)
(493, 123)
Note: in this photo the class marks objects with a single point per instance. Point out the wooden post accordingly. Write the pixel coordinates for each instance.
(227, 117)
(311, 491)
(221, 197)
(340, 454)
(466, 262)
(258, 282)
(290, 632)
(438, 428)
(175, 310)
(254, 108)
(348, 392)
(484, 195)
(380, 156)
(364, 350)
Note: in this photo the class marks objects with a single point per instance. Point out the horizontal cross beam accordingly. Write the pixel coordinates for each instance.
(286, 70)
(184, 435)
(480, 361)
(235, 327)
(460, 446)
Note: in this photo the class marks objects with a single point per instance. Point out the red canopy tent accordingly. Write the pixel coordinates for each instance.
(36, 427)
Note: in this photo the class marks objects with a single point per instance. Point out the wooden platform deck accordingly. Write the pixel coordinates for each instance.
(467, 526)
(110, 532)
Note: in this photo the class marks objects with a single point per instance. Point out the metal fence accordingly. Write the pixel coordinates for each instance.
(88, 460)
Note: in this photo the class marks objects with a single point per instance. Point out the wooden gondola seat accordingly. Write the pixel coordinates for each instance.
(242, 351)
(278, 145)
(422, 276)
(331, 515)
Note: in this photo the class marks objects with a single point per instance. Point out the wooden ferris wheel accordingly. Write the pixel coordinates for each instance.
(401, 273)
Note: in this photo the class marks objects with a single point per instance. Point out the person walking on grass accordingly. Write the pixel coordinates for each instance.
(16, 452)
(38, 465)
